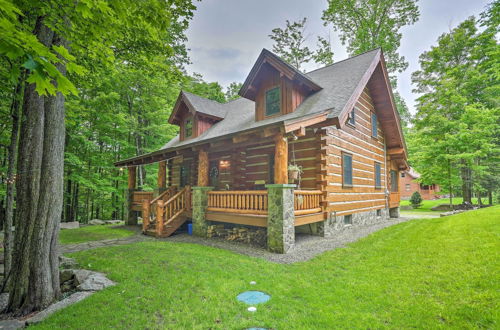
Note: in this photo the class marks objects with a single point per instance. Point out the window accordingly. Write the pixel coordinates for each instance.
(394, 181)
(347, 170)
(378, 175)
(403, 174)
(352, 118)
(407, 187)
(379, 213)
(188, 128)
(374, 125)
(348, 219)
(273, 101)
(185, 174)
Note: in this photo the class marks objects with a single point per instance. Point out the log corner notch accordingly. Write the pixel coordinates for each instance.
(281, 159)
(202, 168)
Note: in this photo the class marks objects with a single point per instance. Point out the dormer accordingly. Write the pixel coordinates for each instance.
(194, 115)
(276, 87)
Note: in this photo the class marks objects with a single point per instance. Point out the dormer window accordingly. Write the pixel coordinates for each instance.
(273, 101)
(188, 128)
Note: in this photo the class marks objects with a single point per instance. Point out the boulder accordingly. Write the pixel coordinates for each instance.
(11, 324)
(441, 207)
(81, 275)
(65, 275)
(96, 222)
(67, 263)
(95, 282)
(69, 225)
(113, 222)
(67, 286)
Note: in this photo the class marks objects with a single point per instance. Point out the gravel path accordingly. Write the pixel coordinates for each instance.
(306, 246)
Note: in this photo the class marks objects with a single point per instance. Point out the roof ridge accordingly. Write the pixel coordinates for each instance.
(345, 59)
(202, 97)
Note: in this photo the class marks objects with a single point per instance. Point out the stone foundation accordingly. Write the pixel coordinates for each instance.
(200, 203)
(280, 218)
(335, 224)
(238, 233)
(394, 212)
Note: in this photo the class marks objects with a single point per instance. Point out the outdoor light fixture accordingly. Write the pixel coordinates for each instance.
(224, 163)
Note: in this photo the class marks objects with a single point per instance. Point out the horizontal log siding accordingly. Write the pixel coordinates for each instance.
(365, 151)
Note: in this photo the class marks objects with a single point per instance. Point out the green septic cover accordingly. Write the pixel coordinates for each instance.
(253, 297)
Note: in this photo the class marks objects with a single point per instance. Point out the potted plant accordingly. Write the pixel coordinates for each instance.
(294, 171)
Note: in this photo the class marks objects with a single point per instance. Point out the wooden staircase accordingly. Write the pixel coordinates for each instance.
(162, 216)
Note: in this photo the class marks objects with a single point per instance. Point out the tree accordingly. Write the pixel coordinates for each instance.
(416, 200)
(232, 91)
(367, 24)
(36, 36)
(324, 52)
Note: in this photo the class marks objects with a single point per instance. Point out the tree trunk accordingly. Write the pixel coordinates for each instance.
(466, 184)
(35, 279)
(9, 207)
(490, 197)
(451, 185)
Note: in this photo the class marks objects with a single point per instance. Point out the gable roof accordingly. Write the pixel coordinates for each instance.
(283, 67)
(341, 84)
(198, 104)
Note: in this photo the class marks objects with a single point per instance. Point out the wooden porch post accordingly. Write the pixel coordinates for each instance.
(280, 159)
(131, 214)
(162, 176)
(202, 168)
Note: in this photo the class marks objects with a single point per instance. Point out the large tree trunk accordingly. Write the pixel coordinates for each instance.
(466, 184)
(35, 279)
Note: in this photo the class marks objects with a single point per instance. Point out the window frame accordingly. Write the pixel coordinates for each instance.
(191, 120)
(344, 184)
(279, 101)
(377, 175)
(374, 122)
(353, 116)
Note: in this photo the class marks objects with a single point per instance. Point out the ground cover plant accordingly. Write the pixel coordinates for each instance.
(92, 233)
(427, 205)
(428, 273)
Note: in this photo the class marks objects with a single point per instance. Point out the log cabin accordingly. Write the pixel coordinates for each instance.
(408, 184)
(230, 162)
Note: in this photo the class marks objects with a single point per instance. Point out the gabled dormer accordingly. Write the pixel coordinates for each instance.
(276, 87)
(194, 115)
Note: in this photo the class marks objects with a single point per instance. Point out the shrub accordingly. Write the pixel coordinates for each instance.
(416, 200)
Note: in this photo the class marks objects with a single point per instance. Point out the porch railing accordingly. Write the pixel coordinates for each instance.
(255, 201)
(238, 201)
(307, 201)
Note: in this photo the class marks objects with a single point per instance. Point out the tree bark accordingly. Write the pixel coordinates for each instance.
(35, 279)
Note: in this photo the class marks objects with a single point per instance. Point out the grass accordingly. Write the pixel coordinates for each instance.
(92, 233)
(432, 273)
(428, 204)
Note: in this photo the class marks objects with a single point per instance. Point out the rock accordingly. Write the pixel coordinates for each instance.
(11, 324)
(74, 298)
(67, 263)
(65, 275)
(95, 282)
(442, 207)
(69, 225)
(113, 222)
(68, 286)
(81, 275)
(96, 222)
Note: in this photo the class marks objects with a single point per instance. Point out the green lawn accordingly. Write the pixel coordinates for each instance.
(92, 233)
(433, 273)
(428, 204)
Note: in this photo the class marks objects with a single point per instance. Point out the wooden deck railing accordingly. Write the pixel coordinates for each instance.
(238, 201)
(307, 201)
(138, 197)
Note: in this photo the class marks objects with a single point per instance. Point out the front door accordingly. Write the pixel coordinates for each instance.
(214, 173)
(185, 175)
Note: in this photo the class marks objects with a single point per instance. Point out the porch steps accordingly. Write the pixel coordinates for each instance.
(169, 228)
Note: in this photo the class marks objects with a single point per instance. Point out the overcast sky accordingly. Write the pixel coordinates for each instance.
(226, 36)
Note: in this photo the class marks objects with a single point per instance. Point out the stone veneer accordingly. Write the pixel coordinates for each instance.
(394, 212)
(200, 203)
(280, 218)
(335, 224)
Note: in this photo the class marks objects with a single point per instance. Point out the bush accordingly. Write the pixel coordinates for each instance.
(416, 200)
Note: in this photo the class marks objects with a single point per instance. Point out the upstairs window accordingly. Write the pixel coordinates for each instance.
(374, 125)
(273, 101)
(352, 118)
(378, 176)
(346, 170)
(188, 128)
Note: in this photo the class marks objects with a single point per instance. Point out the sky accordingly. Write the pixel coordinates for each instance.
(226, 36)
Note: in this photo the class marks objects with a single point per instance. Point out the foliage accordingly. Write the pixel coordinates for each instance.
(416, 200)
(367, 24)
(424, 274)
(427, 205)
(232, 91)
(324, 52)
(92, 233)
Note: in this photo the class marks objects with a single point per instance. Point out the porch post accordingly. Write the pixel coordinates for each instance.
(200, 203)
(131, 214)
(162, 176)
(202, 168)
(280, 159)
(280, 218)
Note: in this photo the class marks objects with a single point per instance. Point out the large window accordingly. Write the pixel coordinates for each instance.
(346, 170)
(394, 181)
(188, 128)
(378, 175)
(273, 101)
(374, 125)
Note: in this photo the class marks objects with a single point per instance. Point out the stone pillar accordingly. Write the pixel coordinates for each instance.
(200, 203)
(280, 218)
(394, 212)
(131, 214)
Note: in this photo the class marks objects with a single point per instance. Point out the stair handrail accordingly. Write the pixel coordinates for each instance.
(162, 207)
(170, 190)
